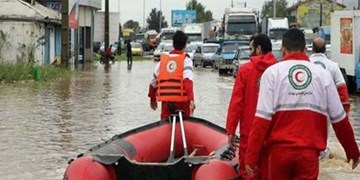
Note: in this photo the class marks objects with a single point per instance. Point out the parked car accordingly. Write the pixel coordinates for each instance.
(204, 54)
(136, 49)
(190, 50)
(242, 57)
(226, 54)
(96, 46)
(168, 47)
(158, 51)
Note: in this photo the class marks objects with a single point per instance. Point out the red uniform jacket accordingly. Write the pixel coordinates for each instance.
(244, 97)
(296, 98)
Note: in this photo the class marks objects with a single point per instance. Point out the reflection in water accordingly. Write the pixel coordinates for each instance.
(44, 125)
(65, 91)
(107, 67)
(129, 67)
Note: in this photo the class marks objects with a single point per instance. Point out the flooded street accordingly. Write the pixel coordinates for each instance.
(44, 125)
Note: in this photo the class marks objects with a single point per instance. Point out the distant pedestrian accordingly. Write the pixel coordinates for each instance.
(242, 107)
(296, 97)
(318, 57)
(108, 54)
(129, 53)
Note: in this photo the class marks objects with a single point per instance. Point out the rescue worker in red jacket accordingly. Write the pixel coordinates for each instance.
(108, 55)
(245, 94)
(172, 82)
(318, 57)
(295, 99)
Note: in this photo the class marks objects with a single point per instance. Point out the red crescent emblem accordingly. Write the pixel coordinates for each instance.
(297, 76)
(171, 66)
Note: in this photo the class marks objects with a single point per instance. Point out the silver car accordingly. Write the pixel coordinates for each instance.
(204, 54)
(168, 47)
(243, 56)
(158, 51)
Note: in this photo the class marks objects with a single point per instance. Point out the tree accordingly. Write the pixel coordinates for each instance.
(131, 24)
(268, 8)
(153, 20)
(201, 14)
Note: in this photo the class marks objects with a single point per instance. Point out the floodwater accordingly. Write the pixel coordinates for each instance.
(44, 125)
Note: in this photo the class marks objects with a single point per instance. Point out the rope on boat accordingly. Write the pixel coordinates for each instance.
(229, 153)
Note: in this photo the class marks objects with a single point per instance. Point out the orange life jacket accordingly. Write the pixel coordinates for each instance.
(170, 86)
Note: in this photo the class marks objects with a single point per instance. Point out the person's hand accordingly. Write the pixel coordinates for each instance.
(250, 171)
(355, 162)
(153, 105)
(192, 107)
(231, 141)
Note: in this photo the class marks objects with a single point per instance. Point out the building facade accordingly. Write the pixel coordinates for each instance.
(314, 13)
(28, 32)
(81, 21)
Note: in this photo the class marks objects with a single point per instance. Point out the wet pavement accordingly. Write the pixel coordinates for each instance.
(44, 125)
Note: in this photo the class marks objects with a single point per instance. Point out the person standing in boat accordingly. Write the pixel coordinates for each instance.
(295, 99)
(318, 57)
(245, 94)
(172, 82)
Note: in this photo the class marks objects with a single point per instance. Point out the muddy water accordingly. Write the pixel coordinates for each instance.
(43, 125)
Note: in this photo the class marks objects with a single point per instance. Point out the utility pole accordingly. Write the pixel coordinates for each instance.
(143, 14)
(358, 4)
(232, 3)
(65, 33)
(274, 7)
(321, 11)
(119, 29)
(160, 18)
(106, 38)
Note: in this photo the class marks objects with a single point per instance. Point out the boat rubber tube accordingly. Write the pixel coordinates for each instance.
(85, 168)
(215, 170)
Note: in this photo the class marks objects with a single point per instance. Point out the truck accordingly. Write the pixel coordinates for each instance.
(193, 31)
(239, 22)
(210, 31)
(345, 45)
(150, 42)
(325, 33)
(128, 34)
(167, 33)
(275, 28)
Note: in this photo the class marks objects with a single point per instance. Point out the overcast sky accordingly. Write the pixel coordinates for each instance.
(133, 9)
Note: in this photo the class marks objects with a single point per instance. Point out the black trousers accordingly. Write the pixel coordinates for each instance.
(129, 59)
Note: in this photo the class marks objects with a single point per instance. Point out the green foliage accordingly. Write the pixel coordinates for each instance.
(15, 72)
(268, 8)
(54, 72)
(153, 20)
(131, 24)
(96, 56)
(23, 71)
(201, 14)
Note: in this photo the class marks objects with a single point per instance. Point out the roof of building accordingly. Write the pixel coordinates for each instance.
(91, 3)
(21, 10)
(295, 6)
